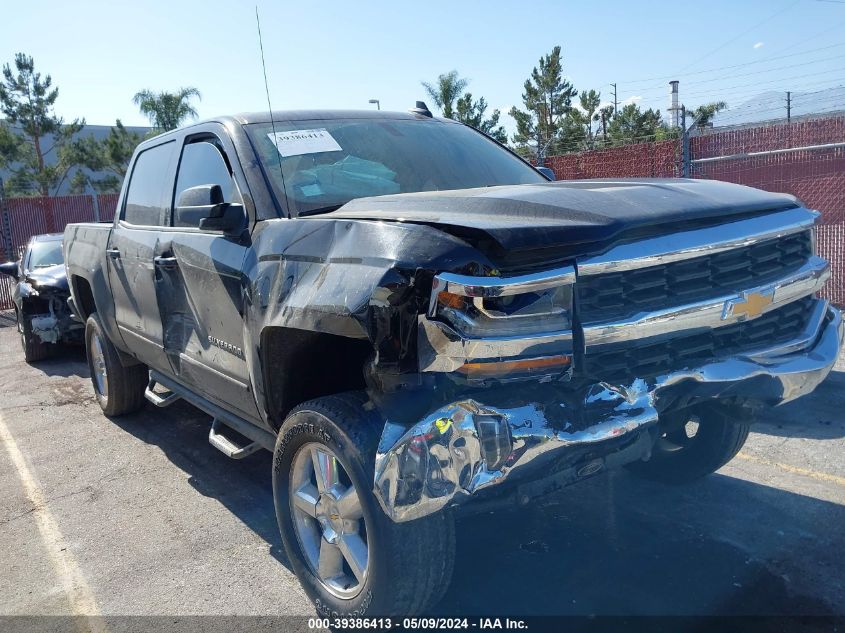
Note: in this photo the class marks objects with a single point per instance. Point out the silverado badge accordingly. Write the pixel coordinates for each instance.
(749, 304)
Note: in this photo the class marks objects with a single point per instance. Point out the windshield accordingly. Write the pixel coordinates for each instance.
(327, 163)
(44, 254)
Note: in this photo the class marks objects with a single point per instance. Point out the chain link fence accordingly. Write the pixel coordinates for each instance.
(21, 218)
(804, 158)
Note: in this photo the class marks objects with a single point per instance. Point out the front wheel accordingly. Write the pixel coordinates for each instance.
(34, 349)
(695, 444)
(351, 559)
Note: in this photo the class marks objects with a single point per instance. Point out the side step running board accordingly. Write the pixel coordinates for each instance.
(250, 430)
(159, 400)
(227, 446)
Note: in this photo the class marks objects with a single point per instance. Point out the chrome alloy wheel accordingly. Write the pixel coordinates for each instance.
(329, 520)
(98, 365)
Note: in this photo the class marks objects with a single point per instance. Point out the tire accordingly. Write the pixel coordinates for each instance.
(408, 565)
(34, 349)
(119, 390)
(680, 457)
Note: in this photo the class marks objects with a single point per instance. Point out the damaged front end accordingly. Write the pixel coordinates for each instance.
(535, 384)
(44, 304)
(542, 437)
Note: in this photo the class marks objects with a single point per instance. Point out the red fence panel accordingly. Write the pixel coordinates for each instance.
(108, 205)
(70, 209)
(660, 159)
(816, 175)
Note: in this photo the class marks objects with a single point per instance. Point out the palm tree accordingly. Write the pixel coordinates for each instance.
(703, 114)
(167, 110)
(446, 91)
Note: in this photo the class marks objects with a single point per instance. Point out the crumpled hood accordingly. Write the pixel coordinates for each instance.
(49, 277)
(568, 213)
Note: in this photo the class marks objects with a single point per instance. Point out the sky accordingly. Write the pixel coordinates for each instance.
(342, 54)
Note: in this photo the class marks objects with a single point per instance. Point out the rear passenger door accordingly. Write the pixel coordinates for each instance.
(202, 306)
(133, 247)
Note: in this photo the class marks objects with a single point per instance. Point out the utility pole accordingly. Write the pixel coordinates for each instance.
(615, 100)
(5, 225)
(685, 154)
(603, 126)
(788, 106)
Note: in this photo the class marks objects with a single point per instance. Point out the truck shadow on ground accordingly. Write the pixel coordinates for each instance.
(66, 361)
(610, 545)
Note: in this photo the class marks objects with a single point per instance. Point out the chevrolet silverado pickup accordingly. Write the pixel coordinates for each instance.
(417, 322)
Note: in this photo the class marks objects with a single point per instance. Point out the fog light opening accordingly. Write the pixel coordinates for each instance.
(494, 436)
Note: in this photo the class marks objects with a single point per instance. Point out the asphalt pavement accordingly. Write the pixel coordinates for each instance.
(141, 516)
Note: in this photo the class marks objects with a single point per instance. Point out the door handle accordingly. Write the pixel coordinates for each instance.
(113, 253)
(165, 262)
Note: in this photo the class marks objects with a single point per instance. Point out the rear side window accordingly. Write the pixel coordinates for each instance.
(147, 198)
(202, 164)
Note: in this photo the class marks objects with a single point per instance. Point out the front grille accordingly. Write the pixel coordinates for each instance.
(619, 295)
(642, 359)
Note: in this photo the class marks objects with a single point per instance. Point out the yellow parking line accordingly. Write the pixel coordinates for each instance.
(796, 470)
(79, 594)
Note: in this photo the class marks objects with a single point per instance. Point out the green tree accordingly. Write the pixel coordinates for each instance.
(632, 125)
(547, 98)
(605, 115)
(703, 115)
(446, 91)
(167, 110)
(27, 102)
(472, 113)
(111, 155)
(580, 133)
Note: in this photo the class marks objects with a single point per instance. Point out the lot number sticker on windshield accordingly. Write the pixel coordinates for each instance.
(298, 142)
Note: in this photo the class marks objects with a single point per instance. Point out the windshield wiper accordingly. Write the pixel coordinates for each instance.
(326, 209)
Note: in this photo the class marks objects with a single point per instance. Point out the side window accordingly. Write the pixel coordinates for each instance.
(147, 197)
(202, 164)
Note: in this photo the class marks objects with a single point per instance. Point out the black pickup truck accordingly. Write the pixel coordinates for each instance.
(417, 322)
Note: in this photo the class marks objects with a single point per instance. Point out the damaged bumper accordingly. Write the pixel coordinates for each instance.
(526, 434)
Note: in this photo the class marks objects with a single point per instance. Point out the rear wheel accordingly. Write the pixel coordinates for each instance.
(118, 389)
(351, 559)
(696, 443)
(34, 349)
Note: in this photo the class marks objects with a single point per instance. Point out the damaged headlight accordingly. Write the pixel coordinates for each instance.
(480, 307)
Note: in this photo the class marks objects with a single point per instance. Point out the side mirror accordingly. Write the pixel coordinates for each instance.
(203, 206)
(547, 172)
(227, 217)
(9, 268)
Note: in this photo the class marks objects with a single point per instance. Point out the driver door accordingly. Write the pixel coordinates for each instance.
(201, 294)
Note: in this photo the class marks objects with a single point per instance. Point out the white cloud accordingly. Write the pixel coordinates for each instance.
(758, 45)
(634, 99)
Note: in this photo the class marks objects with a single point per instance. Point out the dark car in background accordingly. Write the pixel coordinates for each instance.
(40, 294)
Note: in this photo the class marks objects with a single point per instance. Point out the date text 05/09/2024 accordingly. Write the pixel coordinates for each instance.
(412, 624)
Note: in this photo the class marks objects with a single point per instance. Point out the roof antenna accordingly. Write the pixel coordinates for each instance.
(269, 107)
(422, 109)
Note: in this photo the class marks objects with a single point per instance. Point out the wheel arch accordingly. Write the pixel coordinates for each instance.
(300, 365)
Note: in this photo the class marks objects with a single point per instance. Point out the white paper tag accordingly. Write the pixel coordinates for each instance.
(298, 142)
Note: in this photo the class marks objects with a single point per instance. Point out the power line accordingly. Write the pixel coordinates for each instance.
(745, 32)
(780, 80)
(770, 70)
(758, 61)
(756, 73)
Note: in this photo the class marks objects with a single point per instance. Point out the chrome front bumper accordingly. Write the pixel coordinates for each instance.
(521, 433)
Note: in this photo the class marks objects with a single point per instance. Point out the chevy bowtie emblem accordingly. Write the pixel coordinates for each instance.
(749, 304)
